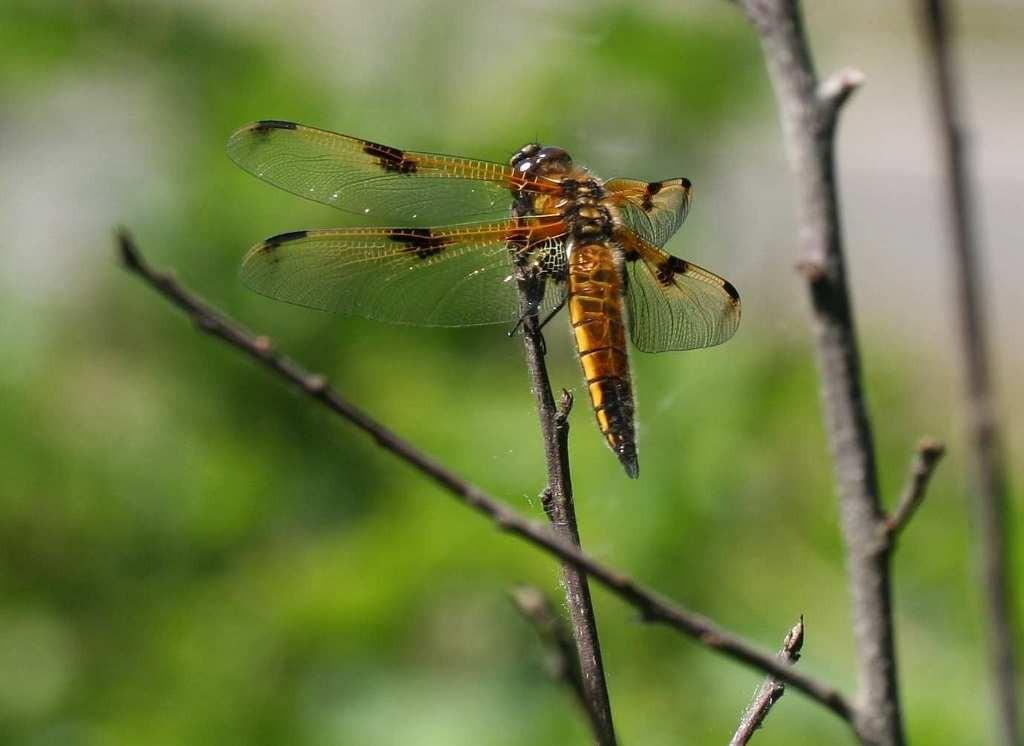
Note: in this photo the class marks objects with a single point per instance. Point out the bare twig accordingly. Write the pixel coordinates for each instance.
(991, 499)
(652, 606)
(558, 639)
(770, 691)
(926, 458)
(836, 89)
(809, 114)
(559, 507)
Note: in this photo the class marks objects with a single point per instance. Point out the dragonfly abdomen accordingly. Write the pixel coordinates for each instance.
(598, 323)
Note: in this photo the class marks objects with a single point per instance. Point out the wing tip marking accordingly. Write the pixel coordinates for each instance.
(281, 238)
(265, 125)
(729, 288)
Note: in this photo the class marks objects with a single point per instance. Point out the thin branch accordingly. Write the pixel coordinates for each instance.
(563, 660)
(809, 115)
(988, 467)
(559, 507)
(652, 606)
(771, 690)
(836, 89)
(926, 457)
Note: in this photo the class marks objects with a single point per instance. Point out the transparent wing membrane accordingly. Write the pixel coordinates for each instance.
(382, 183)
(674, 304)
(427, 277)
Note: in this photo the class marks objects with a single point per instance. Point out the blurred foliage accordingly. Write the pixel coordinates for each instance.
(191, 553)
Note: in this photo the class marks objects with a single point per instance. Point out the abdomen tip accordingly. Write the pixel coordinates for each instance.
(630, 464)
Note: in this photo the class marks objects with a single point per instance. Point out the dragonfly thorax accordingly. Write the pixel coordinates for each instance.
(585, 214)
(578, 195)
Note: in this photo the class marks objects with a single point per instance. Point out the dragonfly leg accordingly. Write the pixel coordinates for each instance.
(551, 314)
(511, 333)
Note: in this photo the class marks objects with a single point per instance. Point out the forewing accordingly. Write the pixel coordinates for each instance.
(653, 210)
(674, 304)
(380, 182)
(459, 276)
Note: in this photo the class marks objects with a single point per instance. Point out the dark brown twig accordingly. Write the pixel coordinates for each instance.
(652, 606)
(809, 113)
(558, 640)
(988, 468)
(926, 458)
(559, 507)
(771, 690)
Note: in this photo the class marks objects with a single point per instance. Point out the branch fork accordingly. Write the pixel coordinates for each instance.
(928, 454)
(809, 110)
(835, 90)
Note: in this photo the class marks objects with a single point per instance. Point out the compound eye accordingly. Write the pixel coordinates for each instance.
(552, 160)
(521, 159)
(552, 153)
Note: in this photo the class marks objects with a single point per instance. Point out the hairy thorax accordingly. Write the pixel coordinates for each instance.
(579, 200)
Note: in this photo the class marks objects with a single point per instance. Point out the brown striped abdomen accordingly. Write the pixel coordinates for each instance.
(598, 325)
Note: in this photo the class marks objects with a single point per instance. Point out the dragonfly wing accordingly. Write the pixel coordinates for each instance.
(382, 183)
(674, 304)
(459, 276)
(653, 210)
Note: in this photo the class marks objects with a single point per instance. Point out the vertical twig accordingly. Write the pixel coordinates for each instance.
(770, 691)
(558, 504)
(991, 503)
(809, 113)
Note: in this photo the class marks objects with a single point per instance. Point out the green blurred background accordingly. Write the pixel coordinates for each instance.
(191, 553)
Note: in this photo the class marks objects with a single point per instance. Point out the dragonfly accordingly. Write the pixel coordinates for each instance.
(469, 239)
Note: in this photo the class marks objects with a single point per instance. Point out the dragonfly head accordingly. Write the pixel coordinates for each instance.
(537, 160)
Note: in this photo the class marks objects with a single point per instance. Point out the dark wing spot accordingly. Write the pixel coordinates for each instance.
(685, 182)
(419, 241)
(647, 203)
(390, 159)
(265, 125)
(631, 255)
(671, 267)
(679, 266)
(728, 287)
(274, 241)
